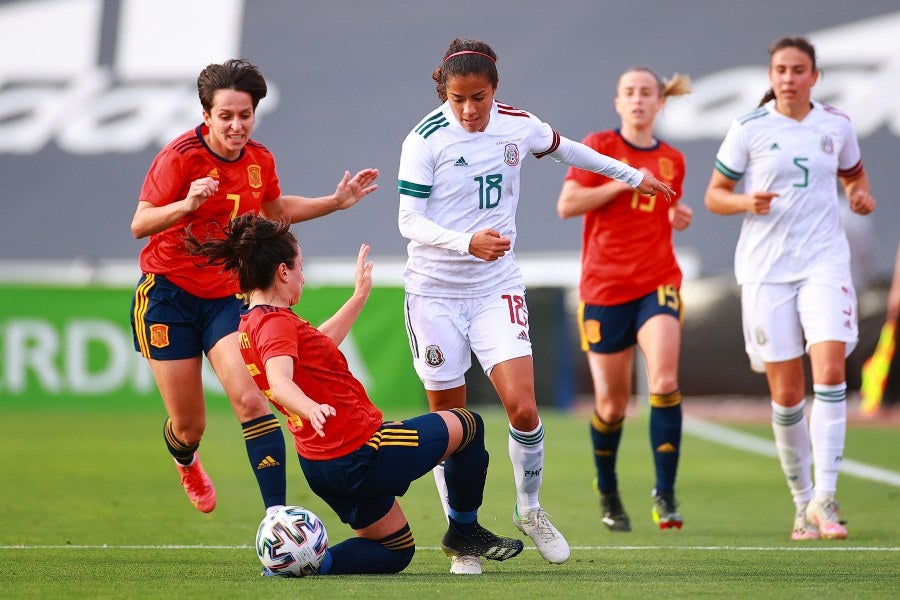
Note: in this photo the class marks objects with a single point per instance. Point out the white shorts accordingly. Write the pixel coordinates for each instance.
(782, 320)
(444, 332)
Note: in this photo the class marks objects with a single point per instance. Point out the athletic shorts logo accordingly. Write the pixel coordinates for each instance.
(159, 335)
(433, 356)
(761, 336)
(511, 155)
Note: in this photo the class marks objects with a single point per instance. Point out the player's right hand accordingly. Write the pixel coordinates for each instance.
(761, 202)
(200, 190)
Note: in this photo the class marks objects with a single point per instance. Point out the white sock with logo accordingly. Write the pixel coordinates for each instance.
(827, 429)
(792, 444)
(526, 452)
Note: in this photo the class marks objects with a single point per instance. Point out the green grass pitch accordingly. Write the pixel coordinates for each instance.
(90, 507)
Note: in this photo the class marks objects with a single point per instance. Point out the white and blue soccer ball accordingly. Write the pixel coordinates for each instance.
(291, 542)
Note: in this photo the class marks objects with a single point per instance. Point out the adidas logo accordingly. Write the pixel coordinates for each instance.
(268, 461)
(774, 146)
(461, 162)
(214, 173)
(523, 335)
(666, 448)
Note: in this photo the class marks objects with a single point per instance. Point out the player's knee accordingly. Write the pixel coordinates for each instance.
(472, 428)
(250, 404)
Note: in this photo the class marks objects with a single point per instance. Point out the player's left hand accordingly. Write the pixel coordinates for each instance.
(317, 416)
(350, 191)
(651, 186)
(363, 272)
(680, 216)
(861, 202)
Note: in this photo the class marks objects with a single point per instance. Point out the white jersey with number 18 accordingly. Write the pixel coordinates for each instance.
(467, 182)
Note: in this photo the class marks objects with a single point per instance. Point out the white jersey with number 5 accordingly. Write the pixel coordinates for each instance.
(467, 182)
(802, 235)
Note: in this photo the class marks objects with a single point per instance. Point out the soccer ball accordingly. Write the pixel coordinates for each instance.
(291, 542)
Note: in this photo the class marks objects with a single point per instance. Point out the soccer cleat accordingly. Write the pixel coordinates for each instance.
(803, 529)
(481, 542)
(465, 565)
(826, 515)
(664, 512)
(614, 516)
(549, 541)
(197, 484)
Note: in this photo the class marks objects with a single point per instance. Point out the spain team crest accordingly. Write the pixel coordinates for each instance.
(159, 335)
(254, 176)
(666, 168)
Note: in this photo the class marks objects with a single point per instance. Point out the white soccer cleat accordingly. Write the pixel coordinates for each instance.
(465, 565)
(549, 541)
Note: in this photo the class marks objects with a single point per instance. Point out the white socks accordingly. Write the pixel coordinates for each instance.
(824, 436)
(793, 446)
(526, 452)
(827, 430)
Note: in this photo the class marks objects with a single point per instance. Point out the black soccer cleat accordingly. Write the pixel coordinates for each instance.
(480, 543)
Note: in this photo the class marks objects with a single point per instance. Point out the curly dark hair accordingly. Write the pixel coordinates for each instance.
(250, 246)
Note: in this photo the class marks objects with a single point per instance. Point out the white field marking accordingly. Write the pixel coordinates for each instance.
(751, 443)
(637, 548)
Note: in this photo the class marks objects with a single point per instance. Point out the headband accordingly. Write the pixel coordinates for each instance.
(471, 52)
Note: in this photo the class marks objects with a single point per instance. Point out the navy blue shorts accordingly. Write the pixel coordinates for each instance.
(169, 323)
(361, 486)
(609, 329)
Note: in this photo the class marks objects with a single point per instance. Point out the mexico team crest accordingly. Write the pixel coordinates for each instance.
(254, 176)
(159, 335)
(433, 356)
(827, 145)
(511, 155)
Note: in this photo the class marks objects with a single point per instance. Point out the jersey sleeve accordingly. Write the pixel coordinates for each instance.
(416, 174)
(584, 177)
(164, 180)
(276, 336)
(850, 158)
(732, 157)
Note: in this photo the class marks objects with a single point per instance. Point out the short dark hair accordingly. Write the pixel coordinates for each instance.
(235, 74)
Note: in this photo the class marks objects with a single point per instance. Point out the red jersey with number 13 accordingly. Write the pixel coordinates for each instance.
(244, 184)
(626, 250)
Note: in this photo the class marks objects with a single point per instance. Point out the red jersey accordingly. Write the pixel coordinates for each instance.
(626, 249)
(320, 370)
(244, 184)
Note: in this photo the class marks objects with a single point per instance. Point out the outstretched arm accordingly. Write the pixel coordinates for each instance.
(338, 326)
(576, 154)
(348, 193)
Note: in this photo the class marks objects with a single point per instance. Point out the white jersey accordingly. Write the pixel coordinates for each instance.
(467, 182)
(802, 235)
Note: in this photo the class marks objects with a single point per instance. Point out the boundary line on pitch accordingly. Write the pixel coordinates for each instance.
(751, 443)
(435, 548)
